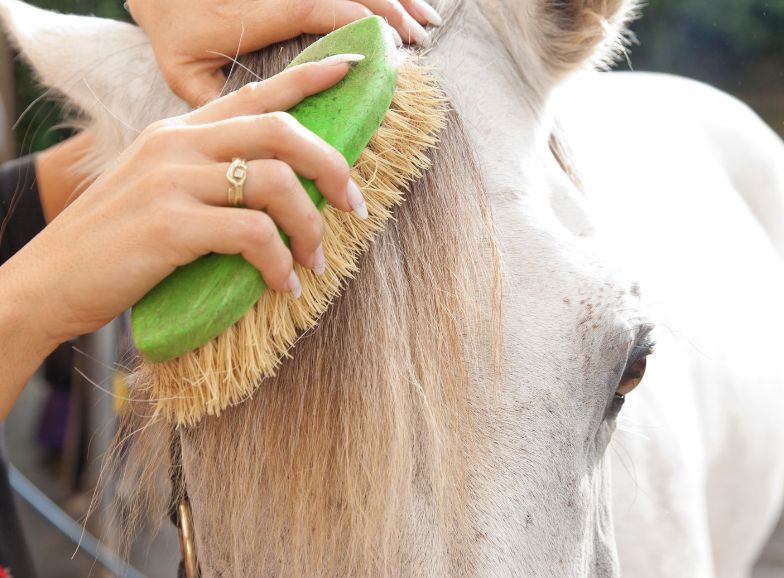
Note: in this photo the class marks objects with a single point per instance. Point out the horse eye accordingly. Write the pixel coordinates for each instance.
(632, 376)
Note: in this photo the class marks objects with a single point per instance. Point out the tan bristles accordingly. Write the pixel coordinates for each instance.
(228, 369)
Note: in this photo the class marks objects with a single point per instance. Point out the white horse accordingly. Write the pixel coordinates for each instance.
(671, 182)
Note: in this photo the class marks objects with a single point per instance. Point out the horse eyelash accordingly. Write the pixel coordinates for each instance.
(644, 345)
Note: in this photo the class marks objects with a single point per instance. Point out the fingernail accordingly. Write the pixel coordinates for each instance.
(396, 36)
(428, 12)
(356, 200)
(319, 263)
(341, 59)
(412, 31)
(294, 285)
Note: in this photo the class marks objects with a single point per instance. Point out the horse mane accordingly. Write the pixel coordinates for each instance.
(359, 445)
(364, 432)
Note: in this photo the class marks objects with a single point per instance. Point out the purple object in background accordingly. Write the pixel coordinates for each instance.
(58, 368)
(51, 428)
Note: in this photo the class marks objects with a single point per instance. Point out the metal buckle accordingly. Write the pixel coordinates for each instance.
(187, 539)
(180, 512)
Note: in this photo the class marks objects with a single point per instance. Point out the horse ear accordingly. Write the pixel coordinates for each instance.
(550, 39)
(576, 33)
(106, 68)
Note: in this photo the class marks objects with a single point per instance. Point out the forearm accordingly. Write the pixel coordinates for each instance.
(24, 344)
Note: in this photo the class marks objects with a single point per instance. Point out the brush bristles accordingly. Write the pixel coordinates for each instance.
(228, 369)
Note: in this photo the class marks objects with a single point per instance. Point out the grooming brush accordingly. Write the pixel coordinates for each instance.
(211, 330)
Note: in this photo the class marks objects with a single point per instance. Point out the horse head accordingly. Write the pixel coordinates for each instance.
(451, 412)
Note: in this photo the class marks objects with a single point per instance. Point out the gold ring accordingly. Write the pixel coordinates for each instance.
(237, 173)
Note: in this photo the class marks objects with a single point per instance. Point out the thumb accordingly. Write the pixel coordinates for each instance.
(196, 86)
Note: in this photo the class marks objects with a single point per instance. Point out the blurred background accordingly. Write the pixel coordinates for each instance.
(735, 45)
(57, 431)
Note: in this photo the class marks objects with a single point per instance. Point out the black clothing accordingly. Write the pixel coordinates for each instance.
(21, 219)
(21, 215)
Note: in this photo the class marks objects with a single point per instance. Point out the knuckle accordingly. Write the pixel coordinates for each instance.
(304, 71)
(277, 123)
(173, 122)
(263, 239)
(155, 126)
(249, 95)
(163, 136)
(338, 165)
(302, 76)
(397, 10)
(149, 131)
(301, 10)
(393, 8)
(307, 239)
(290, 188)
(281, 177)
(260, 230)
(314, 226)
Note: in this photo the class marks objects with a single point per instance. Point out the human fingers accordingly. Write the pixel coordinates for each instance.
(253, 234)
(326, 16)
(278, 93)
(278, 136)
(422, 12)
(402, 21)
(270, 185)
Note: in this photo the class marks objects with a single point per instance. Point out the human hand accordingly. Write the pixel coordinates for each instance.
(193, 39)
(162, 205)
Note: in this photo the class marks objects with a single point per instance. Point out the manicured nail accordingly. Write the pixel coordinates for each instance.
(356, 200)
(427, 12)
(341, 59)
(294, 285)
(396, 36)
(319, 263)
(413, 31)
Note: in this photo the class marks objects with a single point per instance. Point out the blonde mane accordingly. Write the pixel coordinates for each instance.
(373, 412)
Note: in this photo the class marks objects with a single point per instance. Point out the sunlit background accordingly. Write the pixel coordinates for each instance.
(735, 45)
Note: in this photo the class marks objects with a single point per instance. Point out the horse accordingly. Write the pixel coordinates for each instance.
(571, 218)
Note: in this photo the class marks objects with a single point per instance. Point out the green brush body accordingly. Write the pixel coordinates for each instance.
(199, 301)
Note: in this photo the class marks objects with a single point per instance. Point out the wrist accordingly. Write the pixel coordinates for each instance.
(18, 316)
(23, 308)
(24, 344)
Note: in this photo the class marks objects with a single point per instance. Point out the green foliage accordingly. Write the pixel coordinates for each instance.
(36, 130)
(708, 39)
